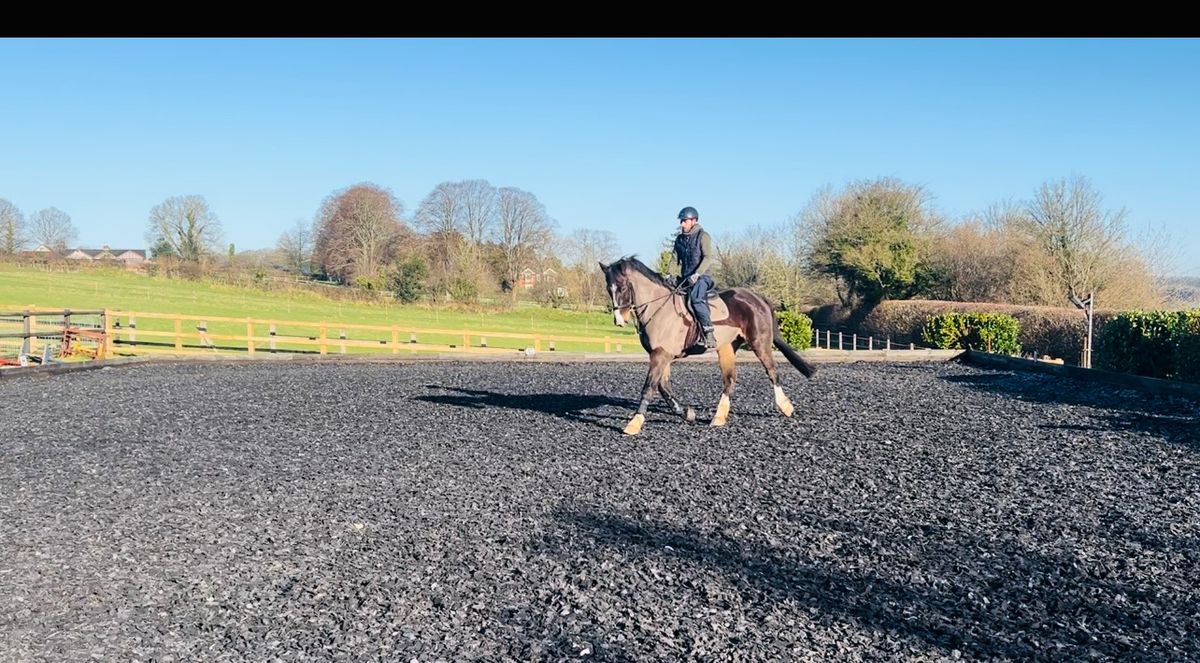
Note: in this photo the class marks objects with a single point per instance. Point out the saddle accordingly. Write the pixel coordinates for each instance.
(717, 310)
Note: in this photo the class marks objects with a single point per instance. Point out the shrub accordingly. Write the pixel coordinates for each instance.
(796, 329)
(992, 332)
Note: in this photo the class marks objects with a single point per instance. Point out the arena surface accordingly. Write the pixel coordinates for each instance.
(447, 511)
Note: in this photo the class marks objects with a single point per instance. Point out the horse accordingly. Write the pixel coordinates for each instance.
(668, 332)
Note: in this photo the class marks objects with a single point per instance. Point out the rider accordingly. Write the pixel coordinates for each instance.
(695, 256)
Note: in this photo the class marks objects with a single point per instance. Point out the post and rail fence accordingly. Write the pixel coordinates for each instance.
(57, 333)
(38, 335)
(96, 334)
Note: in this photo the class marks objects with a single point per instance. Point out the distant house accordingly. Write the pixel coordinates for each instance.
(530, 277)
(42, 253)
(127, 257)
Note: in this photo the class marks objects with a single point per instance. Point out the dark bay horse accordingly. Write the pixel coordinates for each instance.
(668, 331)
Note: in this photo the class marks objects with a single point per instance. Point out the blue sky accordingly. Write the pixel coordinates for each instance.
(610, 134)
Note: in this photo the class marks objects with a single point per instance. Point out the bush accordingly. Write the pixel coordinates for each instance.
(464, 290)
(991, 332)
(1158, 344)
(1058, 332)
(796, 329)
(407, 279)
(1187, 347)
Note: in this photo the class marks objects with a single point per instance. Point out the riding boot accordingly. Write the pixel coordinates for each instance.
(710, 339)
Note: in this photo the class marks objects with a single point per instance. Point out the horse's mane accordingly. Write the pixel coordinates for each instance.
(631, 262)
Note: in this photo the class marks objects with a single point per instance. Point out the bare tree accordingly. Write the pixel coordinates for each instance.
(478, 210)
(1065, 219)
(438, 216)
(295, 247)
(457, 218)
(187, 226)
(585, 248)
(523, 227)
(52, 227)
(440, 211)
(358, 233)
(977, 259)
(1163, 253)
(12, 228)
(756, 258)
(1075, 246)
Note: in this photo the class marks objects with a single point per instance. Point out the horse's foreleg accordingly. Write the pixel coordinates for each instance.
(725, 355)
(659, 362)
(763, 352)
(664, 388)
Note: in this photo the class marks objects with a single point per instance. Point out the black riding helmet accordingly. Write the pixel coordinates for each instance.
(688, 213)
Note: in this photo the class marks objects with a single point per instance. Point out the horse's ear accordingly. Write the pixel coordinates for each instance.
(603, 267)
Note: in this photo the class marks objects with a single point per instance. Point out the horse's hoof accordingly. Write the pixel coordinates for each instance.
(635, 425)
(722, 411)
(782, 402)
(689, 415)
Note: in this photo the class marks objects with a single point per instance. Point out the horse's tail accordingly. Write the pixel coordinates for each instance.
(793, 357)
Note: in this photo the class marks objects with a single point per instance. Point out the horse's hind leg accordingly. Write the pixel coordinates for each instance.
(763, 352)
(664, 388)
(660, 362)
(725, 355)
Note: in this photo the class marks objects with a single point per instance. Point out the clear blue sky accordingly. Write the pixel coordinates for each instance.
(612, 134)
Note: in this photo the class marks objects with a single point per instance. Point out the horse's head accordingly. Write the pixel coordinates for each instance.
(619, 289)
(620, 280)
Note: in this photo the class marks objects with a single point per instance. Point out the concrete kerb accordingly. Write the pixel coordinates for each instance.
(1138, 382)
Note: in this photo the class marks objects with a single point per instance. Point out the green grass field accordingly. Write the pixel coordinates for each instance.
(127, 291)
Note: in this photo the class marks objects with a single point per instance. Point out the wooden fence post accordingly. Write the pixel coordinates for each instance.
(342, 340)
(323, 339)
(23, 355)
(395, 340)
(272, 337)
(108, 339)
(178, 334)
(249, 337)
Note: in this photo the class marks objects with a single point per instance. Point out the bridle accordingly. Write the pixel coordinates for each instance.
(640, 308)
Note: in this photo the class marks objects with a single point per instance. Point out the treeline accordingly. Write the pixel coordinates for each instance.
(882, 239)
(864, 243)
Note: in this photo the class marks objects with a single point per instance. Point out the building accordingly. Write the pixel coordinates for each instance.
(126, 257)
(529, 277)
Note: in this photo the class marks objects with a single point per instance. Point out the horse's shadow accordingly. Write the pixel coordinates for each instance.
(572, 407)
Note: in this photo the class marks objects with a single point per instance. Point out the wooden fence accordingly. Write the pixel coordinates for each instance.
(37, 335)
(131, 332)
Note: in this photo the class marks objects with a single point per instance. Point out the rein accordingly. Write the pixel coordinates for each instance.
(643, 305)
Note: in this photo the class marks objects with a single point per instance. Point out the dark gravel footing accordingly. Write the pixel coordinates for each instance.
(441, 511)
